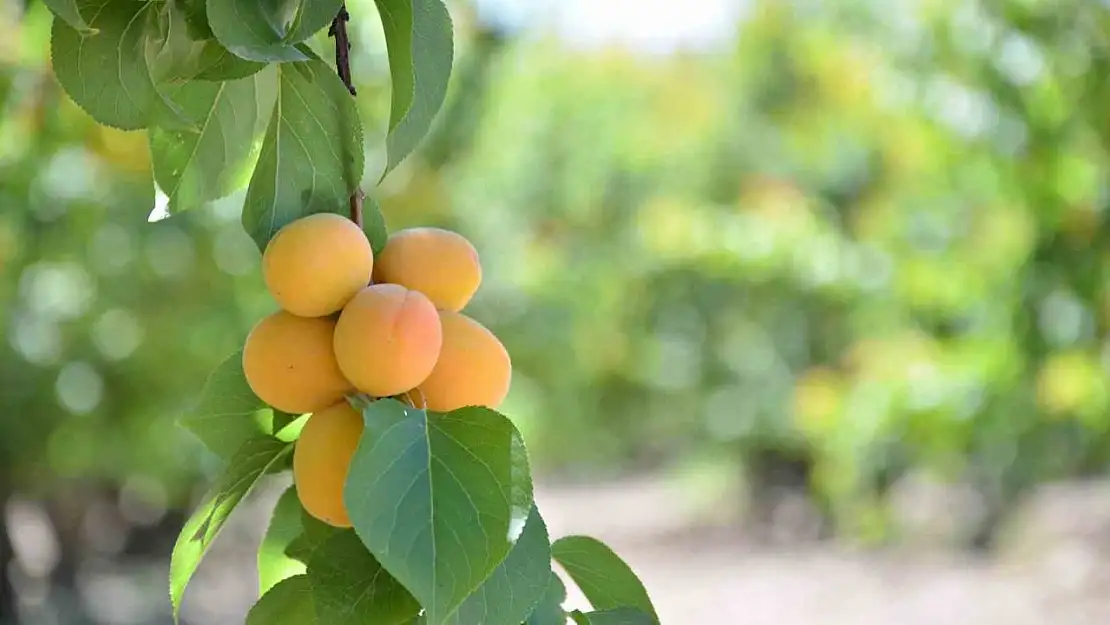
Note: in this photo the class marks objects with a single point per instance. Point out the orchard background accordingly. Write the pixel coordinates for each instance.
(807, 310)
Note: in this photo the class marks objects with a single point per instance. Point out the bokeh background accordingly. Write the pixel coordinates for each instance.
(807, 304)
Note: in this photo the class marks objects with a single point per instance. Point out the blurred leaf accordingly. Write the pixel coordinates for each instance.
(312, 156)
(516, 585)
(285, 526)
(419, 39)
(460, 482)
(229, 413)
(288, 603)
(68, 11)
(601, 574)
(352, 588)
(107, 74)
(267, 31)
(253, 460)
(619, 616)
(549, 610)
(193, 168)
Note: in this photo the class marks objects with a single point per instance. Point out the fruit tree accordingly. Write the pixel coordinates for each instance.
(412, 499)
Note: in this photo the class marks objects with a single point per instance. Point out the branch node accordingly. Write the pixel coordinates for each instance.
(343, 68)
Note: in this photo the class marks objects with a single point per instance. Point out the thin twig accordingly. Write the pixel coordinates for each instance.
(343, 68)
(342, 47)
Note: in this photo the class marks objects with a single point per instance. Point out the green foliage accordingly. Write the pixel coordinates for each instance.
(311, 159)
(229, 413)
(604, 578)
(421, 52)
(290, 602)
(352, 588)
(233, 95)
(108, 73)
(274, 563)
(517, 585)
(255, 458)
(620, 616)
(549, 610)
(196, 166)
(439, 499)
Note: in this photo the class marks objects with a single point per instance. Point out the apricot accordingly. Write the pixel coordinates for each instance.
(322, 459)
(473, 369)
(439, 263)
(314, 265)
(387, 339)
(289, 363)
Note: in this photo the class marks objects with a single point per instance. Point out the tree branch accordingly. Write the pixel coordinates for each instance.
(342, 47)
(343, 68)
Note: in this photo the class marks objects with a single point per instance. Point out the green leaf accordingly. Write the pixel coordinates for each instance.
(254, 459)
(418, 37)
(195, 167)
(619, 616)
(288, 603)
(606, 580)
(107, 74)
(315, 533)
(196, 16)
(267, 30)
(351, 588)
(181, 53)
(549, 610)
(516, 585)
(373, 224)
(285, 526)
(312, 156)
(68, 11)
(229, 413)
(439, 499)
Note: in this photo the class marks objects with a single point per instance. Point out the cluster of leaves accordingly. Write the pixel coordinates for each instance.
(445, 527)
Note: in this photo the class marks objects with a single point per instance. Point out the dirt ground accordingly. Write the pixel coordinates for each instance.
(1054, 570)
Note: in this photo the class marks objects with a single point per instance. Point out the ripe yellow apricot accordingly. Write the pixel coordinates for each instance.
(474, 368)
(289, 363)
(322, 459)
(439, 263)
(387, 339)
(314, 265)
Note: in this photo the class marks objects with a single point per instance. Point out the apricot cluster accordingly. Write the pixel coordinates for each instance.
(348, 323)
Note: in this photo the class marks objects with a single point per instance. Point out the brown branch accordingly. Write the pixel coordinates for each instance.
(342, 47)
(343, 68)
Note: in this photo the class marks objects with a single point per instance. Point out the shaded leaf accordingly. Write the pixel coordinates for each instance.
(439, 499)
(516, 585)
(311, 159)
(606, 580)
(195, 167)
(285, 526)
(267, 31)
(419, 40)
(352, 588)
(107, 74)
(549, 610)
(315, 533)
(288, 603)
(253, 460)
